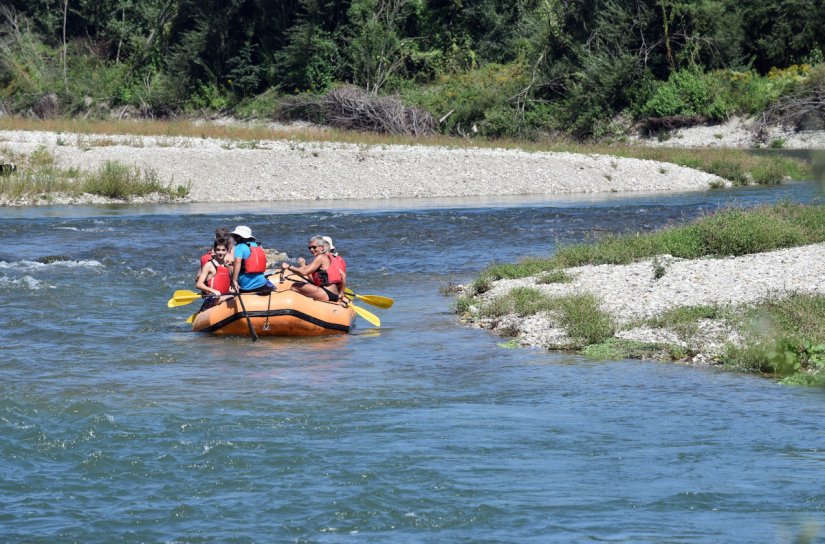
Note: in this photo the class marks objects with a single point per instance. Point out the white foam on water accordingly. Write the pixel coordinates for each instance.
(24, 281)
(31, 266)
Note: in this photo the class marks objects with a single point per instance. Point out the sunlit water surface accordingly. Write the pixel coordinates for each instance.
(119, 424)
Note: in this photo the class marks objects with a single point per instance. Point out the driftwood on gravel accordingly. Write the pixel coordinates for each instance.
(351, 108)
(800, 111)
(653, 125)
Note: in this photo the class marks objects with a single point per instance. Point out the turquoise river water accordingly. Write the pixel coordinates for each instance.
(118, 424)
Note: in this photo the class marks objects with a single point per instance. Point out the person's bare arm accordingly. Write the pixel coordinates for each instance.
(306, 269)
(236, 271)
(204, 275)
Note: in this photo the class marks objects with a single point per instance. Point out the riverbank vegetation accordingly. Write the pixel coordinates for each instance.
(37, 177)
(730, 231)
(780, 336)
(524, 69)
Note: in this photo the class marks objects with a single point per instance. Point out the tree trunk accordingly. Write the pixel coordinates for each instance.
(65, 70)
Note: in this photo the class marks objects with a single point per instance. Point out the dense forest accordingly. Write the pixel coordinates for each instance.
(495, 68)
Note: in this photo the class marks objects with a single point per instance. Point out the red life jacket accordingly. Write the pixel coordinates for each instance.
(330, 276)
(221, 280)
(256, 262)
(342, 264)
(206, 257)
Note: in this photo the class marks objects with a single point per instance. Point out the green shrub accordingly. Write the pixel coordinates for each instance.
(768, 173)
(740, 232)
(461, 306)
(583, 320)
(470, 96)
(554, 276)
(528, 266)
(264, 105)
(689, 92)
(728, 170)
(209, 97)
(481, 285)
(684, 320)
(501, 121)
(117, 180)
(784, 337)
(522, 301)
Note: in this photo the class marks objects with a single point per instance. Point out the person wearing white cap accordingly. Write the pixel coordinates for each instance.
(330, 247)
(250, 263)
(339, 261)
(327, 279)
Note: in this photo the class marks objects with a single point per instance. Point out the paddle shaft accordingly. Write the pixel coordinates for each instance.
(248, 320)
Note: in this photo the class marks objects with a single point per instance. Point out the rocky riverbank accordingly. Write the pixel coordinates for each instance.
(217, 170)
(738, 132)
(634, 295)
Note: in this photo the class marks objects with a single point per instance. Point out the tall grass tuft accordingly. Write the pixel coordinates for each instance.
(584, 320)
(117, 180)
(38, 177)
(522, 301)
(580, 315)
(684, 320)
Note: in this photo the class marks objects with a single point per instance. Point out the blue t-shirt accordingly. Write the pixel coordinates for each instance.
(247, 282)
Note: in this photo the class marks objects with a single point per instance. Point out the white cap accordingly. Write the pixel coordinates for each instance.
(328, 240)
(244, 232)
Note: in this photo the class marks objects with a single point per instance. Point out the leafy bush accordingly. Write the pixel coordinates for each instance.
(785, 337)
(264, 105)
(689, 92)
(209, 97)
(470, 96)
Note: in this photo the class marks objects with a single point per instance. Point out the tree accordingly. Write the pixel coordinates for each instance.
(376, 49)
(310, 60)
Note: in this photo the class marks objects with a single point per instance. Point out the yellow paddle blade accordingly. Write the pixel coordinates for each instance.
(183, 297)
(377, 301)
(373, 300)
(369, 316)
(184, 293)
(191, 318)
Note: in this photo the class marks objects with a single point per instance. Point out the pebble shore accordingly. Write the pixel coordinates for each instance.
(234, 171)
(631, 293)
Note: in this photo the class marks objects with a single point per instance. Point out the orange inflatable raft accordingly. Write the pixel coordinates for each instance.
(282, 312)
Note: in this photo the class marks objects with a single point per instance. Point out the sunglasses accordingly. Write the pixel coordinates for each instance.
(312, 247)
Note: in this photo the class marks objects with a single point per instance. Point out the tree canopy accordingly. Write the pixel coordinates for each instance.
(572, 60)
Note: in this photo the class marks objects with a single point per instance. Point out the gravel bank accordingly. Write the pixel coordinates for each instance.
(738, 132)
(233, 171)
(631, 293)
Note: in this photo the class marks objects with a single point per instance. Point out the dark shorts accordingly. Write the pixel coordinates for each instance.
(264, 289)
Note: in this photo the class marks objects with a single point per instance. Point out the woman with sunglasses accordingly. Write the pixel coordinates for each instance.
(324, 273)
